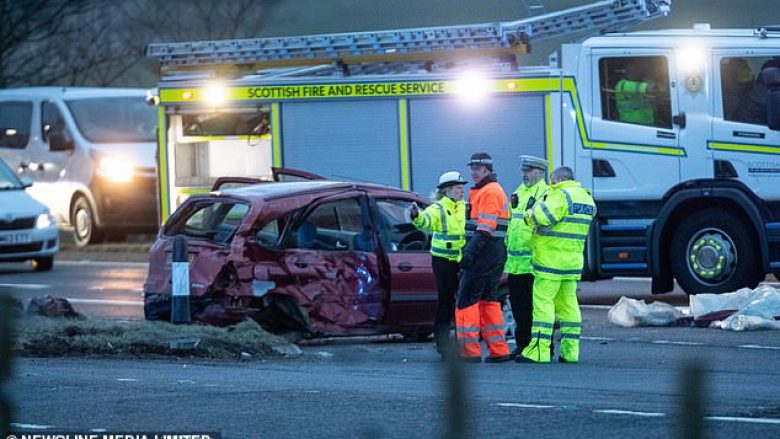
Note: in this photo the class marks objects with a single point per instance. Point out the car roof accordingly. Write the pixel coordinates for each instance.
(72, 92)
(270, 191)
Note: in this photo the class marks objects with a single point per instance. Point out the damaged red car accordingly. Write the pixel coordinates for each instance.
(315, 258)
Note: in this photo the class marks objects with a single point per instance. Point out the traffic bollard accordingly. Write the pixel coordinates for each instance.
(180, 282)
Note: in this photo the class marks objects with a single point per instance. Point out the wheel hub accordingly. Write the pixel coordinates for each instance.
(711, 255)
(82, 223)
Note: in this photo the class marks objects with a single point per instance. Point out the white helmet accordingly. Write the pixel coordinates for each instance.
(450, 178)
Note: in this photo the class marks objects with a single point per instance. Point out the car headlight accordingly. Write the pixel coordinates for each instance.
(45, 220)
(116, 170)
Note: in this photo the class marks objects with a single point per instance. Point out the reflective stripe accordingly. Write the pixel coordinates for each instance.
(544, 336)
(568, 200)
(572, 336)
(543, 325)
(578, 208)
(467, 329)
(502, 222)
(518, 253)
(443, 217)
(468, 340)
(500, 234)
(570, 325)
(445, 251)
(536, 222)
(445, 237)
(571, 219)
(486, 228)
(555, 271)
(494, 339)
(547, 214)
(575, 236)
(517, 216)
(494, 328)
(488, 216)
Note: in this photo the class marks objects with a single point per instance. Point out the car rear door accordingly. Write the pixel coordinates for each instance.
(331, 252)
(413, 293)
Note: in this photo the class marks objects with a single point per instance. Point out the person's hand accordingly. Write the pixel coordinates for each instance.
(414, 211)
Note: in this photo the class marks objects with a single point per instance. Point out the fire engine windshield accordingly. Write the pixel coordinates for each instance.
(115, 119)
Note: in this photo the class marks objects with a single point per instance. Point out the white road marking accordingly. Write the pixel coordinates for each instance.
(633, 279)
(106, 302)
(596, 306)
(628, 412)
(758, 346)
(748, 420)
(27, 286)
(31, 426)
(526, 406)
(681, 343)
(127, 380)
(104, 263)
(597, 338)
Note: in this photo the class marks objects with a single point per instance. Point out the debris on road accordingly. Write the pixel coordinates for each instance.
(49, 306)
(631, 312)
(742, 310)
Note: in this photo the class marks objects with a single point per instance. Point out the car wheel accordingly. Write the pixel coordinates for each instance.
(714, 251)
(43, 264)
(83, 219)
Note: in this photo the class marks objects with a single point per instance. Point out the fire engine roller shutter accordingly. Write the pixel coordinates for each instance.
(354, 140)
(445, 132)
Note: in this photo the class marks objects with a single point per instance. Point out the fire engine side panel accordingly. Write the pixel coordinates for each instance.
(353, 140)
(445, 132)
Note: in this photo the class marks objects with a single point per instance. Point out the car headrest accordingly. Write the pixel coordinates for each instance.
(307, 233)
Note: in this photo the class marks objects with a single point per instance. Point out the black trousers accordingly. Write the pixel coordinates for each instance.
(446, 274)
(521, 298)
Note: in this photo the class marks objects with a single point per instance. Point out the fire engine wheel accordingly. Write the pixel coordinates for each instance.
(713, 251)
(83, 219)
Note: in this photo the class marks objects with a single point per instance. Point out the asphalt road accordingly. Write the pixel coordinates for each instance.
(628, 384)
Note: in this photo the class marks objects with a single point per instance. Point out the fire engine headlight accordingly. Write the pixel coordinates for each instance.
(45, 220)
(472, 87)
(215, 94)
(116, 170)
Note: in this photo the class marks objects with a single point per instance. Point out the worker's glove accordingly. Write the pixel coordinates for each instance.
(414, 211)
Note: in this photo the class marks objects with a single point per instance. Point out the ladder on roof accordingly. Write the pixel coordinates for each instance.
(405, 45)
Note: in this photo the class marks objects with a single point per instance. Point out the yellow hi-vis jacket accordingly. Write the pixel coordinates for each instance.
(446, 219)
(633, 103)
(561, 222)
(518, 239)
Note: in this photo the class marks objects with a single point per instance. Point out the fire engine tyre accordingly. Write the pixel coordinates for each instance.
(714, 251)
(83, 219)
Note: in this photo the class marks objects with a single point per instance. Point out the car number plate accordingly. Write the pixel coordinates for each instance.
(14, 238)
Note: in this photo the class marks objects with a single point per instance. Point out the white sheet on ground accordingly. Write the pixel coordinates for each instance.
(631, 312)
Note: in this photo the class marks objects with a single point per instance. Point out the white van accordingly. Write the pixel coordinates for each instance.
(90, 153)
(27, 230)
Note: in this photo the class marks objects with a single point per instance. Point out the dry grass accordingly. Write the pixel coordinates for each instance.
(54, 337)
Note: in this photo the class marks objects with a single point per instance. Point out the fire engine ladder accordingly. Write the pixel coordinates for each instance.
(404, 45)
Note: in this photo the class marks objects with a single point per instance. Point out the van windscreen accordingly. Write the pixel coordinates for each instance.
(115, 119)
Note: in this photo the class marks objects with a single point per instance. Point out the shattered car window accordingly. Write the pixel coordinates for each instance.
(211, 220)
(397, 227)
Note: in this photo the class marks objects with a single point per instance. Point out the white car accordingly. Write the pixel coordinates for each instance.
(28, 231)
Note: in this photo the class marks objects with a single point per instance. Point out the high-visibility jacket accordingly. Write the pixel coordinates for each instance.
(632, 102)
(561, 222)
(488, 209)
(446, 219)
(518, 239)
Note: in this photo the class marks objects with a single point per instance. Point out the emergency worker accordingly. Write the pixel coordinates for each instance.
(634, 99)
(446, 219)
(561, 222)
(478, 309)
(518, 244)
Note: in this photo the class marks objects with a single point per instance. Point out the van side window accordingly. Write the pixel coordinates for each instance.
(15, 124)
(743, 90)
(51, 120)
(635, 90)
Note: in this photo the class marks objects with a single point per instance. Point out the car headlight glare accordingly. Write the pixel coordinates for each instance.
(116, 170)
(45, 220)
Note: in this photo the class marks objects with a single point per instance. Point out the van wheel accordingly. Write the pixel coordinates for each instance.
(714, 251)
(43, 264)
(83, 219)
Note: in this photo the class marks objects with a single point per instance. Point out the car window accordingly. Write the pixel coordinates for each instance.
(52, 121)
(271, 231)
(7, 178)
(398, 232)
(211, 220)
(333, 226)
(742, 89)
(635, 90)
(15, 124)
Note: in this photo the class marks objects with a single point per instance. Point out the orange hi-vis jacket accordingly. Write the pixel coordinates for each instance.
(489, 211)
